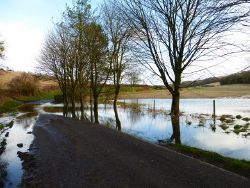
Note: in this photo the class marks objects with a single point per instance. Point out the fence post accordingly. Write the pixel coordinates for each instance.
(214, 109)
(214, 112)
(154, 106)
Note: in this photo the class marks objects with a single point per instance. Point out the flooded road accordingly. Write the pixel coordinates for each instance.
(146, 119)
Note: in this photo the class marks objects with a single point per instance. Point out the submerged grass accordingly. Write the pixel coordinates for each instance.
(241, 167)
(224, 126)
(1, 126)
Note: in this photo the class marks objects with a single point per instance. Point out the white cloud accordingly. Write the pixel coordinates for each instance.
(23, 44)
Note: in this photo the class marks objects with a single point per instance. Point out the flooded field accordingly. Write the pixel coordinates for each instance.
(229, 136)
(148, 119)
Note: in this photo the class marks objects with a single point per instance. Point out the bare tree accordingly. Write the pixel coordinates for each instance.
(65, 54)
(133, 77)
(172, 34)
(119, 35)
(54, 58)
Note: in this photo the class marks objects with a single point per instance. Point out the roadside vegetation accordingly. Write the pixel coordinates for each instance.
(241, 167)
(23, 87)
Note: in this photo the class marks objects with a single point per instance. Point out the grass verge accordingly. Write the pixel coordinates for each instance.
(41, 96)
(10, 106)
(241, 167)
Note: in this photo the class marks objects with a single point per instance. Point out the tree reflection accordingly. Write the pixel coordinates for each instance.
(3, 172)
(26, 120)
(117, 119)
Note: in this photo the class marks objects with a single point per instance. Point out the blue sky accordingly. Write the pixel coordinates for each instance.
(25, 23)
(32, 12)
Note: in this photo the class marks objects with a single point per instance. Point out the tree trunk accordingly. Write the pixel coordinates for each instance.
(91, 105)
(175, 116)
(82, 106)
(73, 107)
(65, 108)
(65, 104)
(96, 109)
(117, 120)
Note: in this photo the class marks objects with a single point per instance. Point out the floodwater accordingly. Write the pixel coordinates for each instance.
(232, 106)
(17, 134)
(196, 123)
(149, 119)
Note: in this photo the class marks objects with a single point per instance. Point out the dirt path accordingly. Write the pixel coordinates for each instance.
(71, 153)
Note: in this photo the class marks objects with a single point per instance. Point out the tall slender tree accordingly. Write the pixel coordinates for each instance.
(64, 54)
(77, 18)
(119, 34)
(54, 59)
(99, 67)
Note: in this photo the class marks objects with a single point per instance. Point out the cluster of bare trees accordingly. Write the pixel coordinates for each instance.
(75, 53)
(165, 36)
(84, 54)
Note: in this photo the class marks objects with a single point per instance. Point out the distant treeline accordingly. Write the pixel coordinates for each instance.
(238, 78)
(200, 82)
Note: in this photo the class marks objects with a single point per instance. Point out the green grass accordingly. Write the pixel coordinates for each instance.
(224, 126)
(241, 167)
(1, 126)
(132, 89)
(109, 89)
(10, 106)
(42, 96)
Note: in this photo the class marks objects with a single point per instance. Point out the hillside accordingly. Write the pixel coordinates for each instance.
(44, 81)
(237, 78)
(214, 88)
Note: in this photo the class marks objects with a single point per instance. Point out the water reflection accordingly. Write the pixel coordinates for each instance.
(17, 134)
(3, 173)
(26, 120)
(233, 106)
(134, 116)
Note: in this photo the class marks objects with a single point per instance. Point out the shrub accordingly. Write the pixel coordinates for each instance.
(238, 117)
(24, 85)
(237, 127)
(246, 119)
